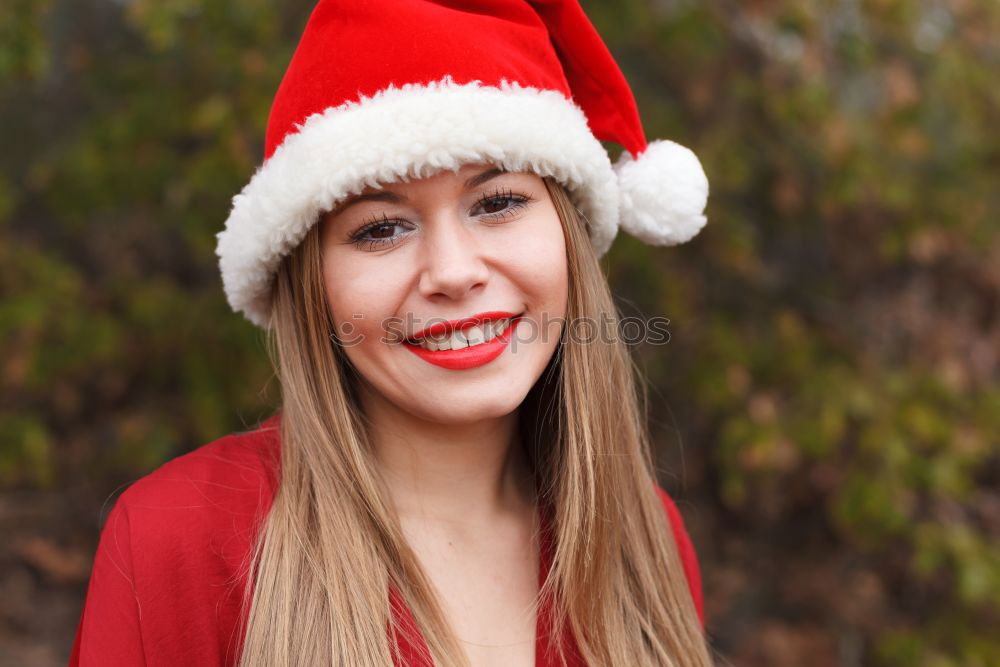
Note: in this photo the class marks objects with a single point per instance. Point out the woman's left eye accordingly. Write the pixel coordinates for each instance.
(502, 204)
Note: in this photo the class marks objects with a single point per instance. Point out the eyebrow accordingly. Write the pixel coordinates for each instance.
(395, 198)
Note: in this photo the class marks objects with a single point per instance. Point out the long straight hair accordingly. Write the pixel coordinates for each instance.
(330, 546)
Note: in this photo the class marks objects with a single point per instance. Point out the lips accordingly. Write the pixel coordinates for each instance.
(442, 328)
(464, 358)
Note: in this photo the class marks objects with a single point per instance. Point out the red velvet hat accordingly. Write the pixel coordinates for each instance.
(381, 91)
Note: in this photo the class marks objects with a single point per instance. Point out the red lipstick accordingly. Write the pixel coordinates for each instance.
(439, 328)
(467, 357)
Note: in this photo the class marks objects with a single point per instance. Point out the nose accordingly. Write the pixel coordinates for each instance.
(453, 263)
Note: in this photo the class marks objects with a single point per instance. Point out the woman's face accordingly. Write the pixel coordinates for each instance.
(479, 245)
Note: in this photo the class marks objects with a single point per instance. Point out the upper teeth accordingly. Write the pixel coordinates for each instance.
(456, 340)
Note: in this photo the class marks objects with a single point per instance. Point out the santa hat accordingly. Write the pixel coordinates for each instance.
(380, 91)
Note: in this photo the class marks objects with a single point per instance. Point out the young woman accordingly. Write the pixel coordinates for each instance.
(459, 473)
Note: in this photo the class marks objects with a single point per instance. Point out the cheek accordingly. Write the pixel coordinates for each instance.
(539, 263)
(361, 295)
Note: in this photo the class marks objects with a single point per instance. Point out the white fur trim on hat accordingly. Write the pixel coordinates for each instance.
(663, 193)
(399, 133)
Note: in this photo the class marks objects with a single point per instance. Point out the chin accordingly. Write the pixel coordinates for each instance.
(473, 409)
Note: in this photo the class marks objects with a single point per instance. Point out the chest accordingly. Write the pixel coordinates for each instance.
(487, 584)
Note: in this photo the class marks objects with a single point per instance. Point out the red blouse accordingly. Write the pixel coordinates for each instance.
(167, 585)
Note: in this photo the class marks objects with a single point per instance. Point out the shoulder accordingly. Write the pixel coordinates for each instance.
(686, 550)
(171, 557)
(220, 487)
(226, 466)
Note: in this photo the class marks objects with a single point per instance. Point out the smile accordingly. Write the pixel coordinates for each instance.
(467, 343)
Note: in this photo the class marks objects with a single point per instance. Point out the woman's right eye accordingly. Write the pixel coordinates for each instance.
(376, 234)
(378, 231)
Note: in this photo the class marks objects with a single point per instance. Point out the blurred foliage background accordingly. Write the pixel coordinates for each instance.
(827, 410)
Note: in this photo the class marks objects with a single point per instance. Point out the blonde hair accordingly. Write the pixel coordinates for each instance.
(330, 546)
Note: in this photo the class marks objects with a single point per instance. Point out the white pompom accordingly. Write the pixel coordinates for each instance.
(663, 193)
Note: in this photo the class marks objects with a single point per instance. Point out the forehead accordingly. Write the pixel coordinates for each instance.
(468, 176)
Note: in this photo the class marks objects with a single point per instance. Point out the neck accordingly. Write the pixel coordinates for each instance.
(464, 474)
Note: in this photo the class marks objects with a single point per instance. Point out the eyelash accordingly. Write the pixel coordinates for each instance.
(518, 201)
